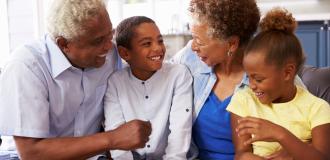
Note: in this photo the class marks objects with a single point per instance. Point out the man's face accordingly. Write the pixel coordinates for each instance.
(90, 49)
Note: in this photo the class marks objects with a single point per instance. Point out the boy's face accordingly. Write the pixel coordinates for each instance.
(147, 51)
(267, 81)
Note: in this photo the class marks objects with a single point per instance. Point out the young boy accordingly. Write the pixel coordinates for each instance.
(151, 90)
(274, 118)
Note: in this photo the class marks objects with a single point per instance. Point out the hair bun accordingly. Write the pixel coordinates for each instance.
(278, 19)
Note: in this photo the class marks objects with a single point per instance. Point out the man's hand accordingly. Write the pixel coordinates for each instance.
(131, 135)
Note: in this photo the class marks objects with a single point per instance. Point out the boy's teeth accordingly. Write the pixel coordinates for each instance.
(155, 58)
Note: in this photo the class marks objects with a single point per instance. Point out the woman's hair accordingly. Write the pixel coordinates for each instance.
(125, 30)
(67, 18)
(277, 39)
(227, 18)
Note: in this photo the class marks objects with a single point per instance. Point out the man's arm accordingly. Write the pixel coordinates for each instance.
(129, 136)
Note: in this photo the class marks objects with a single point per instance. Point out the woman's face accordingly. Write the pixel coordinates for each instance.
(211, 51)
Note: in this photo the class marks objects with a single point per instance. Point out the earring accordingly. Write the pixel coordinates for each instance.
(229, 54)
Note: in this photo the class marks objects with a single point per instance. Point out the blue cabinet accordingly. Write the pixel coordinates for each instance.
(315, 40)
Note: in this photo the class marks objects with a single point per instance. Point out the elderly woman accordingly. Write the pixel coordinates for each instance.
(221, 29)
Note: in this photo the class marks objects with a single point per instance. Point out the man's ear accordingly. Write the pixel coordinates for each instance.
(63, 44)
(290, 70)
(124, 53)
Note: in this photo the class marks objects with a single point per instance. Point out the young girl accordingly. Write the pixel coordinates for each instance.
(274, 117)
(151, 90)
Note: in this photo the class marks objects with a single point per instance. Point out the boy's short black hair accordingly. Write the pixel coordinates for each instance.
(125, 30)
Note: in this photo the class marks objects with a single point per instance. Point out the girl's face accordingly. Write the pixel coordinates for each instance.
(268, 81)
(210, 50)
(147, 51)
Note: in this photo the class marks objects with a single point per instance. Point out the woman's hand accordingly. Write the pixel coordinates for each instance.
(259, 130)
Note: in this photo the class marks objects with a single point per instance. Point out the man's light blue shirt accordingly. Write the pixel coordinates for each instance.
(42, 95)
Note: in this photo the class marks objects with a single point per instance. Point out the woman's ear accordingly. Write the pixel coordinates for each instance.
(124, 53)
(63, 44)
(233, 42)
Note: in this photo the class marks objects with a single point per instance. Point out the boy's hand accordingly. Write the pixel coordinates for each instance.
(260, 130)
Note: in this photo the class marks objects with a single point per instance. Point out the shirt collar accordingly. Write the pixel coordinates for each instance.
(244, 82)
(204, 68)
(58, 62)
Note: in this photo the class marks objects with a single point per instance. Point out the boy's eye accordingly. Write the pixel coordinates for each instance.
(146, 44)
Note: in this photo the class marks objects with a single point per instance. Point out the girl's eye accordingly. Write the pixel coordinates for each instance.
(161, 41)
(259, 80)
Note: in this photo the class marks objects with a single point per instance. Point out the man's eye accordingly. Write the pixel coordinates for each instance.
(98, 41)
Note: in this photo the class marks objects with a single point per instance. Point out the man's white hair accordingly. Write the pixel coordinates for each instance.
(67, 17)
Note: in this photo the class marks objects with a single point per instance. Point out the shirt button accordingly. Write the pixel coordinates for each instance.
(147, 97)
(187, 110)
(142, 82)
(148, 145)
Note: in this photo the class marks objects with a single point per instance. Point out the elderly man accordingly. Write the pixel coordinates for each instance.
(51, 91)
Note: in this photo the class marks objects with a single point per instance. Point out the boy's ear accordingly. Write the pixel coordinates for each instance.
(63, 44)
(124, 53)
(289, 70)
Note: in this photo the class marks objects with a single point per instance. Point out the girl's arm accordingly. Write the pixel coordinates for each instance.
(318, 150)
(242, 151)
(264, 130)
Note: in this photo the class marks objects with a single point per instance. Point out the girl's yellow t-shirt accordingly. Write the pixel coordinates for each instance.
(299, 115)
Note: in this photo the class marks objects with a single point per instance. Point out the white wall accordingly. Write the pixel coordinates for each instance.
(302, 10)
(4, 38)
(21, 22)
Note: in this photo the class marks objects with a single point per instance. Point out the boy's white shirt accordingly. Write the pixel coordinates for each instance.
(168, 107)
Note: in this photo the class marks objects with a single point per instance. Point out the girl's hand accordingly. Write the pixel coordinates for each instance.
(280, 155)
(259, 130)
